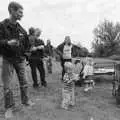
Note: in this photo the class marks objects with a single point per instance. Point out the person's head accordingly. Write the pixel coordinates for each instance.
(68, 67)
(89, 61)
(77, 61)
(37, 32)
(48, 42)
(32, 35)
(15, 10)
(31, 31)
(67, 40)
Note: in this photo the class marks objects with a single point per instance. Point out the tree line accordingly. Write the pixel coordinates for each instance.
(106, 39)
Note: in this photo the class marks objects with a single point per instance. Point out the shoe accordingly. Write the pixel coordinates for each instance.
(64, 107)
(35, 86)
(29, 103)
(44, 84)
(9, 114)
(91, 87)
(50, 72)
(86, 89)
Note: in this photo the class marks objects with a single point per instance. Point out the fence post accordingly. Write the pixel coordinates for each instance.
(118, 83)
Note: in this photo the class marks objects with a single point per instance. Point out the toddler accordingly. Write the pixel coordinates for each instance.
(88, 74)
(68, 86)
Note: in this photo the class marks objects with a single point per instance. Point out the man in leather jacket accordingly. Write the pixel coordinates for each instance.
(13, 45)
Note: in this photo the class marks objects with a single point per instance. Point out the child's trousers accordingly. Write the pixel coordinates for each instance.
(68, 98)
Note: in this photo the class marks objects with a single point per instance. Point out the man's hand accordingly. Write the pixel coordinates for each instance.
(40, 47)
(33, 49)
(13, 42)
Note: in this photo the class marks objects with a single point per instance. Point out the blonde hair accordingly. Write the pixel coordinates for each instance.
(89, 61)
(68, 65)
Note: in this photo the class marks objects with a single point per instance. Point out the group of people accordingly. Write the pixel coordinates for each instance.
(17, 46)
(36, 54)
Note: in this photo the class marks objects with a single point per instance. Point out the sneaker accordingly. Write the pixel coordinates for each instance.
(87, 89)
(35, 86)
(8, 114)
(91, 87)
(44, 84)
(50, 72)
(64, 107)
(29, 103)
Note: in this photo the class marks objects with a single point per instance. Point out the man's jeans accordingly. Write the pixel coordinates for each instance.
(7, 74)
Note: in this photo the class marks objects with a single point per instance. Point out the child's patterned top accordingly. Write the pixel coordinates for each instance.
(68, 81)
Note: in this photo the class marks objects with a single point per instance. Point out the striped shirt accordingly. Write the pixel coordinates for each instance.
(68, 81)
(88, 70)
(67, 51)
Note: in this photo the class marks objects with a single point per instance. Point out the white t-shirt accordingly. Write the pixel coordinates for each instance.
(67, 50)
(88, 70)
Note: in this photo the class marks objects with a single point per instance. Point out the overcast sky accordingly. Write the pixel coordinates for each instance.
(57, 18)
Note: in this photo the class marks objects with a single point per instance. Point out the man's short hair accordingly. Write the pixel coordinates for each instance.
(15, 6)
(67, 37)
(68, 65)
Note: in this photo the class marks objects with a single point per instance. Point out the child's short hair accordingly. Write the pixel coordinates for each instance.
(89, 60)
(38, 31)
(68, 65)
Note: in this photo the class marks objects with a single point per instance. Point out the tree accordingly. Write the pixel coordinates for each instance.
(81, 51)
(106, 39)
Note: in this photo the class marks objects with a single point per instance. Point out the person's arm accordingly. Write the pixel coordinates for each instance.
(3, 41)
(51, 51)
(32, 43)
(40, 47)
(85, 71)
(75, 77)
(59, 50)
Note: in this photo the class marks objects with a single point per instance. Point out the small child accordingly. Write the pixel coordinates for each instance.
(68, 86)
(79, 67)
(49, 54)
(88, 74)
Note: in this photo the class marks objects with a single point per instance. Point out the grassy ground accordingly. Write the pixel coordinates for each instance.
(98, 104)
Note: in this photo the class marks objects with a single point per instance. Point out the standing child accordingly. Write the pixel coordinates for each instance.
(88, 74)
(49, 54)
(68, 86)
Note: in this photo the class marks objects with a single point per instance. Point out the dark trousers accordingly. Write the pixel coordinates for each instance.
(62, 64)
(7, 75)
(49, 64)
(34, 65)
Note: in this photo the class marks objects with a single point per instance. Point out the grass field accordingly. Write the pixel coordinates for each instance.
(98, 104)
